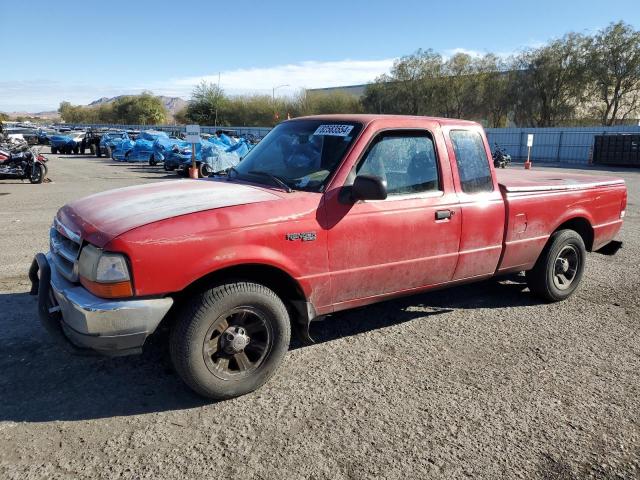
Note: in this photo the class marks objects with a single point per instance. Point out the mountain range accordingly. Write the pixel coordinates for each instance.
(173, 105)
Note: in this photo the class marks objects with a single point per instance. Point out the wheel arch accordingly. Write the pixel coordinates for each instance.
(582, 226)
(281, 282)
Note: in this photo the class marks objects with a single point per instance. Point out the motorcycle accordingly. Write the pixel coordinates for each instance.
(23, 163)
(500, 158)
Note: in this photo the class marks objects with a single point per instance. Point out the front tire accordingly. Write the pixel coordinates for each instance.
(38, 173)
(229, 340)
(152, 161)
(54, 151)
(559, 269)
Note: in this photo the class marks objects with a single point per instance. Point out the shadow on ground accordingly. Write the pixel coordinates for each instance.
(42, 382)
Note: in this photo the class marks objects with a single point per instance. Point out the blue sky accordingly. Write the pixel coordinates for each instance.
(81, 50)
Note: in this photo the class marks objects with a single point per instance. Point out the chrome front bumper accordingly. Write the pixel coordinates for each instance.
(70, 313)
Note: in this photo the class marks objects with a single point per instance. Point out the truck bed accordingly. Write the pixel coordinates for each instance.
(539, 202)
(521, 180)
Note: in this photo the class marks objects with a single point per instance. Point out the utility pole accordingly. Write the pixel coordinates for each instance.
(215, 120)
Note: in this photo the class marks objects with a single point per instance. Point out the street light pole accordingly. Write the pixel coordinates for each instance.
(273, 91)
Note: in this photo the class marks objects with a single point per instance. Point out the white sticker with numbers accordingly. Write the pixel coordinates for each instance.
(334, 130)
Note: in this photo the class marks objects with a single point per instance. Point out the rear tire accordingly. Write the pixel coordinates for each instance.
(54, 151)
(229, 340)
(152, 161)
(204, 170)
(559, 269)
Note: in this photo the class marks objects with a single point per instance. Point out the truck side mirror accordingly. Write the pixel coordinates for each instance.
(369, 187)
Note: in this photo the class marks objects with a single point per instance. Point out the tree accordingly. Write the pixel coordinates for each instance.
(207, 100)
(459, 88)
(144, 109)
(494, 76)
(317, 103)
(410, 88)
(614, 72)
(551, 82)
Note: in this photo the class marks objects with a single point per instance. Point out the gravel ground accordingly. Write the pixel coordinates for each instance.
(480, 381)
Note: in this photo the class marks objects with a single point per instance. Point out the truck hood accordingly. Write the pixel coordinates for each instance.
(101, 217)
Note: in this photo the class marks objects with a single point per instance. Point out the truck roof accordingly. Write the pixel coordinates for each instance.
(391, 120)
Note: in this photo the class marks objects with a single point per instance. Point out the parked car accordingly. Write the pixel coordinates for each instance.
(325, 214)
(67, 143)
(162, 148)
(91, 141)
(212, 156)
(139, 150)
(109, 141)
(44, 134)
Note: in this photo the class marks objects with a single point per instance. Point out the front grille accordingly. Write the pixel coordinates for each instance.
(65, 250)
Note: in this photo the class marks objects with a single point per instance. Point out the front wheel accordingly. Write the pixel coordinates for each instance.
(152, 161)
(560, 267)
(37, 173)
(229, 340)
(54, 150)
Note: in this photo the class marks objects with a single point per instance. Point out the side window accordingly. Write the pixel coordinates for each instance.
(407, 161)
(473, 164)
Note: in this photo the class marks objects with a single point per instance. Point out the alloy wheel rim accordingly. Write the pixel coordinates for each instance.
(237, 343)
(566, 267)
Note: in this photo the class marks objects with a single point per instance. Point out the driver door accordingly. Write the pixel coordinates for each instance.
(408, 241)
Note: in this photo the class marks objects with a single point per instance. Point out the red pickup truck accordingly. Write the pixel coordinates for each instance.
(325, 214)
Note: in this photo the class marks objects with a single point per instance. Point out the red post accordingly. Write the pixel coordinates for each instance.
(527, 164)
(193, 171)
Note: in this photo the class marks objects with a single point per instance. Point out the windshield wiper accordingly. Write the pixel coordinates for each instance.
(273, 178)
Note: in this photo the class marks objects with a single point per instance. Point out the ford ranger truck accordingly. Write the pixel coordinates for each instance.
(326, 213)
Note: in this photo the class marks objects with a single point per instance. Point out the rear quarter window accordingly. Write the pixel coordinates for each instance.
(472, 161)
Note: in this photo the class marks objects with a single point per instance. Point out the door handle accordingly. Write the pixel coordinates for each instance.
(444, 214)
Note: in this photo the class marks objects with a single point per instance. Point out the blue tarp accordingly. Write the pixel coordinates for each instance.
(163, 146)
(140, 150)
(215, 152)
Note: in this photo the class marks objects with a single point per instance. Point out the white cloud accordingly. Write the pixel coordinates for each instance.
(310, 74)
(454, 51)
(43, 95)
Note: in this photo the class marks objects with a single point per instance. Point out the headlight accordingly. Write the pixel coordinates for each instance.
(104, 274)
(112, 267)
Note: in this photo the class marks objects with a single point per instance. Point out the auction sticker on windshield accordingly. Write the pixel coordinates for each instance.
(334, 130)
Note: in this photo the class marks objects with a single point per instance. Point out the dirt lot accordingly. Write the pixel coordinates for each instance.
(480, 381)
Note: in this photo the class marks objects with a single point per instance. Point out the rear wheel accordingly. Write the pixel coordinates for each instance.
(54, 151)
(229, 340)
(560, 267)
(152, 161)
(204, 170)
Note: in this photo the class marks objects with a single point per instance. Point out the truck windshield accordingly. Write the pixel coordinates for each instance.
(301, 154)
